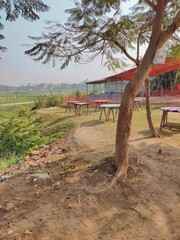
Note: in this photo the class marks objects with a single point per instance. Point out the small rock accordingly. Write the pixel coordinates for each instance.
(57, 184)
(61, 151)
(35, 180)
(9, 206)
(109, 175)
(10, 231)
(40, 175)
(27, 231)
(3, 178)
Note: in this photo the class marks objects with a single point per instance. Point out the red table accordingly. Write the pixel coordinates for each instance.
(70, 105)
(98, 102)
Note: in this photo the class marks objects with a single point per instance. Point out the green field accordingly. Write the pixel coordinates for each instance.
(20, 96)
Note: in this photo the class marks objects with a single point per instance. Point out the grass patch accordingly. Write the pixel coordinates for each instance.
(22, 130)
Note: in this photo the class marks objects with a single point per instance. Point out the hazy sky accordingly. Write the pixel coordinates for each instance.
(18, 69)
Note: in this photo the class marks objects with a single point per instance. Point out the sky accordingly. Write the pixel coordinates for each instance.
(17, 69)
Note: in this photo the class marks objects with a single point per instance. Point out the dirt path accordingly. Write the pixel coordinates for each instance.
(15, 103)
(57, 194)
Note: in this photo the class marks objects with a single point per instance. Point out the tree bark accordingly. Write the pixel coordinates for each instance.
(153, 131)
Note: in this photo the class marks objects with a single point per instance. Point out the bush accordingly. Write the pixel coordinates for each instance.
(39, 102)
(54, 100)
(48, 101)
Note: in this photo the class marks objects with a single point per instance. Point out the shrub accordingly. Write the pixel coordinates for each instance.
(48, 101)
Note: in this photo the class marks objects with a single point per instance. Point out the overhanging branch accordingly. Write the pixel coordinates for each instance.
(170, 30)
(125, 52)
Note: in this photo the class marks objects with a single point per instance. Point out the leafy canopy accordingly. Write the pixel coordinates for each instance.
(99, 28)
(27, 9)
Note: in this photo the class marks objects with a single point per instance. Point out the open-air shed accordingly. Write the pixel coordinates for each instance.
(122, 78)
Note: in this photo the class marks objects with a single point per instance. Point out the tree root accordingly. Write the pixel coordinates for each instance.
(155, 134)
(120, 174)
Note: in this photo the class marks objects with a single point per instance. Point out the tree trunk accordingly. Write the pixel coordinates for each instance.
(125, 117)
(158, 38)
(153, 131)
(121, 160)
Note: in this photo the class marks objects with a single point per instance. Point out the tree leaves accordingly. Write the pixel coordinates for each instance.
(25, 8)
(97, 28)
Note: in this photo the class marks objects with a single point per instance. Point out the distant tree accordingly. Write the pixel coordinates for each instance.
(27, 9)
(98, 28)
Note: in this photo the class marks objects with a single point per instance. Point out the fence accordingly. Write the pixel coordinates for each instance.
(74, 98)
(166, 92)
(91, 99)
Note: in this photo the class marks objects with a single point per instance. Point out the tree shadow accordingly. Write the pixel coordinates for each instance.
(139, 139)
(145, 133)
(163, 132)
(60, 120)
(91, 123)
(169, 132)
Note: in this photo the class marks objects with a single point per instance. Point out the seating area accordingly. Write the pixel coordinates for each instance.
(108, 109)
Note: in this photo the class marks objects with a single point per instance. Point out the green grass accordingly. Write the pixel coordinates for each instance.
(18, 97)
(22, 130)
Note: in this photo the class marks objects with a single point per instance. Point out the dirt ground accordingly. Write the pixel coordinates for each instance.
(58, 191)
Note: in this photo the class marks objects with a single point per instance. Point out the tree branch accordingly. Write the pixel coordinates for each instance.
(152, 5)
(175, 38)
(170, 30)
(125, 52)
(138, 46)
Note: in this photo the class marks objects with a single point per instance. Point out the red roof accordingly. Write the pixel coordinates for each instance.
(158, 69)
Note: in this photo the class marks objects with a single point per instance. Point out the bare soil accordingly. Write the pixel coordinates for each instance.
(57, 192)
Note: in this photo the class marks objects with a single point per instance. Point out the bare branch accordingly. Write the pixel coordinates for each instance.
(176, 38)
(125, 52)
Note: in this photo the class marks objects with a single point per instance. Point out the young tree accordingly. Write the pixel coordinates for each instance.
(98, 28)
(27, 9)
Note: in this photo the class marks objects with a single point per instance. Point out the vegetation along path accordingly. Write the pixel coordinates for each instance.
(56, 194)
